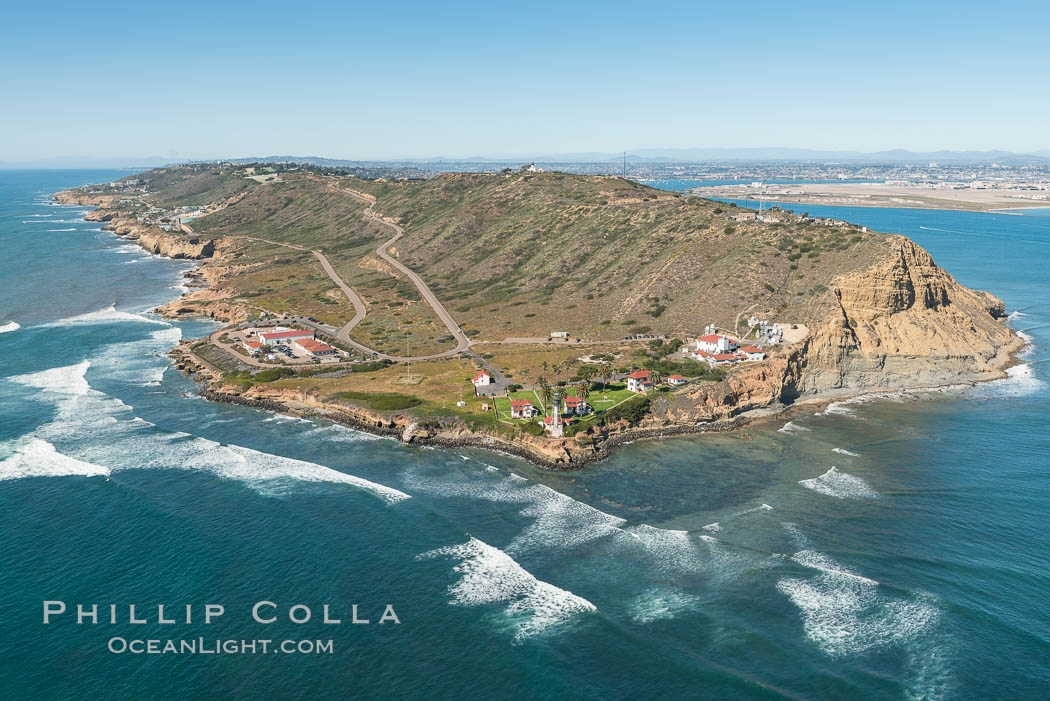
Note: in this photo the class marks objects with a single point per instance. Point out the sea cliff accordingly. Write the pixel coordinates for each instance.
(901, 323)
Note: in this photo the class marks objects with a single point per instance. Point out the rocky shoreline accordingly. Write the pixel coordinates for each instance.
(845, 357)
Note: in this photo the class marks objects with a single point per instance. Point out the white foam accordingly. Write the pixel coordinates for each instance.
(1016, 315)
(105, 316)
(490, 576)
(655, 605)
(559, 521)
(843, 451)
(1021, 381)
(65, 380)
(253, 466)
(840, 485)
(791, 427)
(60, 230)
(38, 458)
(670, 552)
(100, 431)
(837, 409)
(10, 326)
(713, 527)
(844, 613)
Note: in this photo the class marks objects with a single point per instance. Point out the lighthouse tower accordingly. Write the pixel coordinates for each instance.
(556, 424)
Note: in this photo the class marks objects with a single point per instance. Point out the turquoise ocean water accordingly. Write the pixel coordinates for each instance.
(882, 549)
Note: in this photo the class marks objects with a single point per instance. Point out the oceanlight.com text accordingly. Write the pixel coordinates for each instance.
(202, 646)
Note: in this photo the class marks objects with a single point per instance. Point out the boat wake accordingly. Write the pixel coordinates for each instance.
(9, 327)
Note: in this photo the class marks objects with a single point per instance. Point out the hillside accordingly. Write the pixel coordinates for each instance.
(516, 255)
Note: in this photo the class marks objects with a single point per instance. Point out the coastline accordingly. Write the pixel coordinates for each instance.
(564, 454)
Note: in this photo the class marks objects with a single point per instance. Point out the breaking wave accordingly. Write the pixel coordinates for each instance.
(104, 316)
(490, 576)
(840, 485)
(843, 451)
(10, 326)
(844, 613)
(792, 427)
(64, 380)
(100, 430)
(38, 458)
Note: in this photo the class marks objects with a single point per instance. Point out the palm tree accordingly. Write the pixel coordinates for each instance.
(546, 394)
(655, 377)
(605, 372)
(585, 390)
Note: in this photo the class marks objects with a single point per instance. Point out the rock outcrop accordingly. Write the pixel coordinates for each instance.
(903, 323)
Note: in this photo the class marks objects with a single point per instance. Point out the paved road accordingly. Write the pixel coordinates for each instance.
(462, 340)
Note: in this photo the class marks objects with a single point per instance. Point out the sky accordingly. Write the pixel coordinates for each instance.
(426, 79)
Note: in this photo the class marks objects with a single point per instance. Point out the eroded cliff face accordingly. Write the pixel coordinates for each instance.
(902, 323)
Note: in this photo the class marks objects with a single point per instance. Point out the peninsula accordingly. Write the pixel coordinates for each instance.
(545, 314)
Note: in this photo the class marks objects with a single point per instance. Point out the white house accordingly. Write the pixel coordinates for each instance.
(638, 381)
(676, 380)
(522, 409)
(252, 347)
(482, 379)
(575, 406)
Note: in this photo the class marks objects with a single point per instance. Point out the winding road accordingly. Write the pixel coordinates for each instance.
(361, 309)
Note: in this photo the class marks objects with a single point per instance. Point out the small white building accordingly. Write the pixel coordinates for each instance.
(752, 353)
(638, 381)
(676, 380)
(482, 379)
(559, 334)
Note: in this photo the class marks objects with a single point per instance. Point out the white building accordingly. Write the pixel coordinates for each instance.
(639, 381)
(753, 354)
(282, 335)
(482, 379)
(522, 409)
(715, 343)
(576, 407)
(314, 348)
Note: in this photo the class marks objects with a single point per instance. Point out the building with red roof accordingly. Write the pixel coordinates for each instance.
(314, 348)
(638, 381)
(522, 409)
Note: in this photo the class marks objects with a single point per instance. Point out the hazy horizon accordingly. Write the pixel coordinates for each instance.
(465, 81)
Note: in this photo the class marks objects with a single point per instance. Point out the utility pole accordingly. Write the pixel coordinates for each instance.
(624, 165)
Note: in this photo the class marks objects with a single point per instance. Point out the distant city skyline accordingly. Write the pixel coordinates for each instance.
(131, 84)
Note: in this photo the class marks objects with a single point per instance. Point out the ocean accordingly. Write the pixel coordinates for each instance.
(886, 548)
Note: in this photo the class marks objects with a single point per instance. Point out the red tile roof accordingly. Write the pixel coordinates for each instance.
(751, 349)
(480, 375)
(313, 345)
(253, 344)
(712, 338)
(639, 375)
(286, 334)
(675, 377)
(520, 402)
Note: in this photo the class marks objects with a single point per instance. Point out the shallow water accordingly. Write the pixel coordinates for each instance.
(884, 548)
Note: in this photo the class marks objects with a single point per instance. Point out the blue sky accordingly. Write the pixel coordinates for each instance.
(384, 80)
